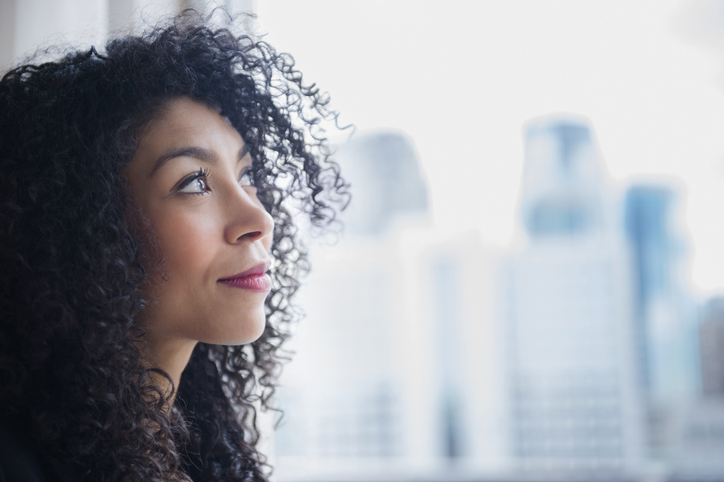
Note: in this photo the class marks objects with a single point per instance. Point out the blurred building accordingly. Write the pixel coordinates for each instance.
(387, 184)
(397, 363)
(574, 400)
(647, 218)
(711, 346)
(698, 441)
(343, 391)
(665, 337)
(664, 332)
(698, 426)
(456, 285)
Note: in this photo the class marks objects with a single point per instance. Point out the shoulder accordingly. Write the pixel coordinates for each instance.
(19, 461)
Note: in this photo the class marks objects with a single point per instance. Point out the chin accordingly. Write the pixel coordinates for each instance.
(254, 328)
(257, 334)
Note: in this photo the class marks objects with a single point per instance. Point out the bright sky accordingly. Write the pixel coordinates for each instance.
(462, 78)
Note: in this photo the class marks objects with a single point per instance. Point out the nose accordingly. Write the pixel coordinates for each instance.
(247, 219)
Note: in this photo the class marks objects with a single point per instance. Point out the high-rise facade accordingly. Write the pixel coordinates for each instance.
(647, 220)
(398, 362)
(343, 392)
(664, 333)
(387, 183)
(711, 349)
(574, 399)
(698, 428)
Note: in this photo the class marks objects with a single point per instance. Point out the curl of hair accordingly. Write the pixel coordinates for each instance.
(70, 359)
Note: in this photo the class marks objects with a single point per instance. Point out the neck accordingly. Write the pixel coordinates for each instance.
(171, 356)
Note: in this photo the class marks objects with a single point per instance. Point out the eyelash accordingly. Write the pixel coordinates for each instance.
(204, 175)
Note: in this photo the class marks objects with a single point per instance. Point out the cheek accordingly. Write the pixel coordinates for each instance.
(186, 241)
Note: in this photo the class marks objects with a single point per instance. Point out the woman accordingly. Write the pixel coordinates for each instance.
(149, 254)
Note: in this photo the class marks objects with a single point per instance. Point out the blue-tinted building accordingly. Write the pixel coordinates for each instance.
(665, 335)
(387, 183)
(574, 401)
(648, 229)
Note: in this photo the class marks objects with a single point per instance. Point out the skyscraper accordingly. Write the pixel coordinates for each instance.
(664, 333)
(344, 393)
(386, 181)
(398, 360)
(574, 399)
(711, 343)
(647, 213)
(698, 428)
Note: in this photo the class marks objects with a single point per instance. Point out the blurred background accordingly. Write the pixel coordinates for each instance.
(529, 284)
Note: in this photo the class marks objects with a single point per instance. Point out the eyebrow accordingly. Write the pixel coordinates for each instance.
(200, 153)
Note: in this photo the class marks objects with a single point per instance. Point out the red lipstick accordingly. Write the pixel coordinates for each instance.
(253, 279)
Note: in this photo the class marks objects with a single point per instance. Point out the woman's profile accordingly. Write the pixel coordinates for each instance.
(149, 252)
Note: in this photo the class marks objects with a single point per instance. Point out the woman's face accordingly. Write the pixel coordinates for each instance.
(191, 179)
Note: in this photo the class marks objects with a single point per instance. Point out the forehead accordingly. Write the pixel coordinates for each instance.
(183, 123)
(184, 118)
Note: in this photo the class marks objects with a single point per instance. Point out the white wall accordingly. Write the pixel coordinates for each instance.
(7, 32)
(29, 25)
(46, 23)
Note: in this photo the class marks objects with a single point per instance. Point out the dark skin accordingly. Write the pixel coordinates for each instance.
(191, 181)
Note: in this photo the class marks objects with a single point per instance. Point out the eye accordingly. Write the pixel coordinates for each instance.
(195, 184)
(247, 177)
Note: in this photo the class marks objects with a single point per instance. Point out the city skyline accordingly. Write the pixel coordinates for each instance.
(484, 315)
(649, 80)
(545, 356)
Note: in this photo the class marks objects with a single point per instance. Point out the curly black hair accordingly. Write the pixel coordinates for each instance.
(71, 366)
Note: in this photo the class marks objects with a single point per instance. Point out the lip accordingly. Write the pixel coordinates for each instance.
(259, 269)
(253, 279)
